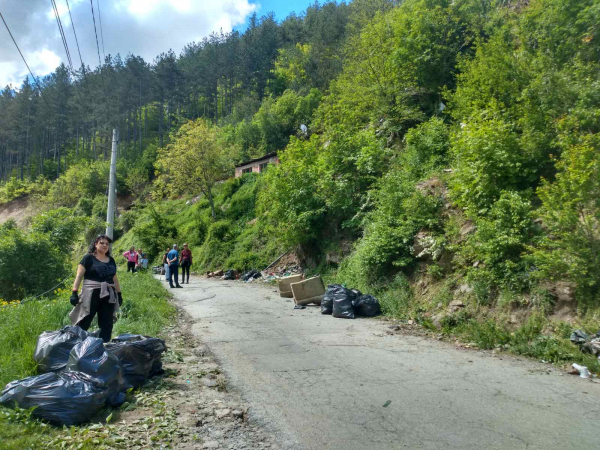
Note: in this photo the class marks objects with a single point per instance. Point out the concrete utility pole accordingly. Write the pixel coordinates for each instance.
(112, 188)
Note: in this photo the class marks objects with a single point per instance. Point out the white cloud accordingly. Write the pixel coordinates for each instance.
(43, 61)
(142, 27)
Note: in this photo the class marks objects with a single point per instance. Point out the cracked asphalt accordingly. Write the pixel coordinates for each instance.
(316, 382)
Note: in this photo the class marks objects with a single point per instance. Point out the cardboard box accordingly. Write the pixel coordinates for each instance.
(284, 285)
(308, 291)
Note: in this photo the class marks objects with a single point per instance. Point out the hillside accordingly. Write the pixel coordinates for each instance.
(442, 155)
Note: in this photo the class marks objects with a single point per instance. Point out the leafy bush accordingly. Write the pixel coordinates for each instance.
(488, 160)
(30, 263)
(80, 180)
(402, 211)
(499, 243)
(426, 148)
(61, 227)
(15, 188)
(571, 214)
(290, 200)
(155, 231)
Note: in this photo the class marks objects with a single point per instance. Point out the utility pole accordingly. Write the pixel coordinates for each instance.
(112, 188)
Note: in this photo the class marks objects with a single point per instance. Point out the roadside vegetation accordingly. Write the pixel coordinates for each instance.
(145, 311)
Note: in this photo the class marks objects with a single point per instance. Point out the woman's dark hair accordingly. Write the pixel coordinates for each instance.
(92, 247)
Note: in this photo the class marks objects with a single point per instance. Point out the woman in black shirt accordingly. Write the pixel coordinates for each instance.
(101, 292)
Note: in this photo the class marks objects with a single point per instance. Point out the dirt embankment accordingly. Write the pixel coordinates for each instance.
(19, 210)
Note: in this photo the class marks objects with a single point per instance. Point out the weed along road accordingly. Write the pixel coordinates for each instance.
(323, 383)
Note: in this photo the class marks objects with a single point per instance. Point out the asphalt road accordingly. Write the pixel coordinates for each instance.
(323, 383)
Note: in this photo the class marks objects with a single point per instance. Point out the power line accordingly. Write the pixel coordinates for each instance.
(30, 72)
(75, 33)
(80, 58)
(96, 33)
(62, 33)
(101, 32)
(78, 50)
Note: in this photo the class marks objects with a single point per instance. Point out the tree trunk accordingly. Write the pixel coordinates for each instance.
(211, 201)
(160, 123)
(140, 129)
(57, 153)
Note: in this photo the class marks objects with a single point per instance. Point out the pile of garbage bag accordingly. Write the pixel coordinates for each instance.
(345, 303)
(80, 374)
(587, 343)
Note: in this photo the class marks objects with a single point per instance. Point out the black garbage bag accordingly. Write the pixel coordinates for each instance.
(250, 275)
(92, 358)
(579, 337)
(327, 302)
(229, 275)
(136, 360)
(342, 302)
(367, 305)
(154, 345)
(66, 398)
(53, 347)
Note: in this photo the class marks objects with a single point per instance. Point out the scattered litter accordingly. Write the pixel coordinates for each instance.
(586, 343)
(579, 337)
(250, 276)
(386, 404)
(218, 273)
(229, 275)
(299, 307)
(583, 370)
(68, 398)
(53, 347)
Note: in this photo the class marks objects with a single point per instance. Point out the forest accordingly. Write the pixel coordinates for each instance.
(451, 151)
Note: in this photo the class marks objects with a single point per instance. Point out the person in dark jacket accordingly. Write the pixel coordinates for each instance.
(185, 261)
(101, 292)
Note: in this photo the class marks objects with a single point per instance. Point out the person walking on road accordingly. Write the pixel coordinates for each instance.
(131, 257)
(186, 262)
(173, 260)
(101, 292)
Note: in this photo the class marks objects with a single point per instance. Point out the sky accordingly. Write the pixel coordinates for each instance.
(142, 27)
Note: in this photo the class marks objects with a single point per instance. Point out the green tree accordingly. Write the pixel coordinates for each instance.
(571, 217)
(193, 162)
(17, 251)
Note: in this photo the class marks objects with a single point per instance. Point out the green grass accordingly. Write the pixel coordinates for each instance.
(145, 311)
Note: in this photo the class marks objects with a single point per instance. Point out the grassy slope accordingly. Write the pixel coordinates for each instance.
(235, 240)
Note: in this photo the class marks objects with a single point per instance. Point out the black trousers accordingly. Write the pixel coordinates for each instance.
(185, 268)
(131, 266)
(174, 272)
(105, 310)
